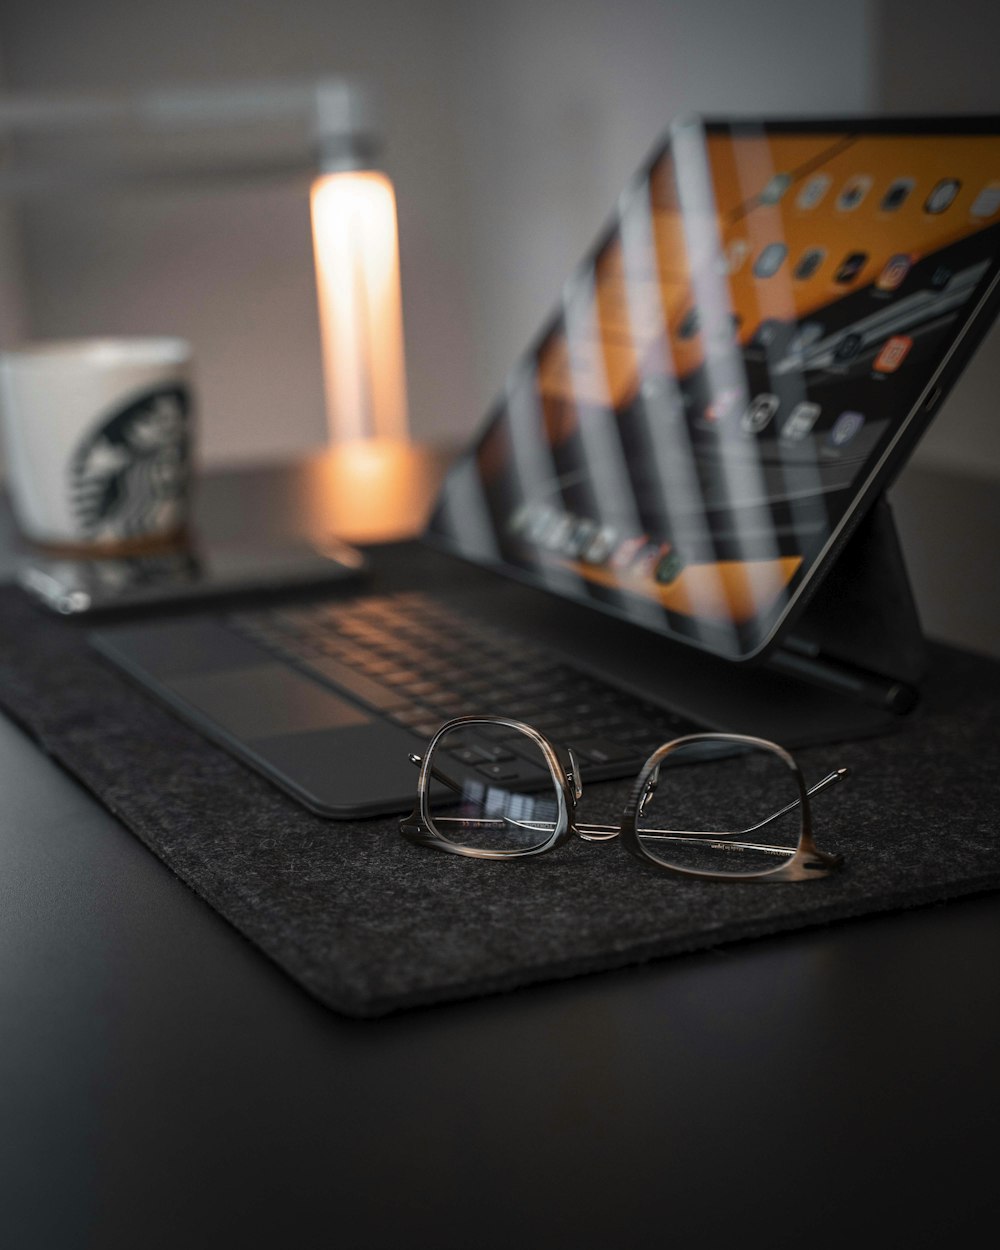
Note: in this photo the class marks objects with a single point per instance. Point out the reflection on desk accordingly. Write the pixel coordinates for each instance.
(372, 491)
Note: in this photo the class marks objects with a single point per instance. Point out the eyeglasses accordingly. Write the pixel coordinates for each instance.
(710, 805)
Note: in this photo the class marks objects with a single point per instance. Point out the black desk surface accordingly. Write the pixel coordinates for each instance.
(161, 1084)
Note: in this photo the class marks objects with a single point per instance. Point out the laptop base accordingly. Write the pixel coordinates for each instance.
(342, 759)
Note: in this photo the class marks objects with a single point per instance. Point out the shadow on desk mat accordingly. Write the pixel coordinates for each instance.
(369, 924)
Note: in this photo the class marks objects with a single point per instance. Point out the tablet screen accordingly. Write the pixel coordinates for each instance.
(756, 340)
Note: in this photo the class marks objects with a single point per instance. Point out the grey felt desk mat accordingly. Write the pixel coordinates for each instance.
(369, 924)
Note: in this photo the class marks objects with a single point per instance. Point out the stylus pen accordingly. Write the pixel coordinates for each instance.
(883, 692)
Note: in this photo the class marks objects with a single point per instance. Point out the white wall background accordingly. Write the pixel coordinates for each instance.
(12, 322)
(510, 128)
(937, 59)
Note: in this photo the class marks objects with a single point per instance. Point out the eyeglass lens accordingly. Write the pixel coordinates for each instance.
(499, 794)
(722, 808)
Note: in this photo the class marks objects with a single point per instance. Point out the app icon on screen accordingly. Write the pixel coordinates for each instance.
(987, 202)
(893, 353)
(848, 347)
(724, 403)
(896, 269)
(813, 191)
(809, 332)
(809, 262)
(558, 537)
(689, 325)
(850, 267)
(645, 559)
(801, 420)
(737, 250)
(580, 538)
(775, 188)
(626, 552)
(770, 260)
(855, 190)
(602, 545)
(898, 193)
(759, 413)
(845, 428)
(668, 568)
(768, 335)
(943, 196)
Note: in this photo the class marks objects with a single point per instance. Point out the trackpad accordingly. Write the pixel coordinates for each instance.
(265, 700)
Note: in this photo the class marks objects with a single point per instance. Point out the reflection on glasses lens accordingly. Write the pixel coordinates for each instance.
(722, 808)
(493, 790)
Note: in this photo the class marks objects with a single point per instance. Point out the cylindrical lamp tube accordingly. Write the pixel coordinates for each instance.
(356, 252)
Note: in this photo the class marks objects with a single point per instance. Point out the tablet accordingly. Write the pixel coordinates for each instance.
(736, 371)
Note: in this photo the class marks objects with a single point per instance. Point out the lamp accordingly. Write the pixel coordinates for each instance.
(360, 304)
(356, 251)
(247, 132)
(370, 473)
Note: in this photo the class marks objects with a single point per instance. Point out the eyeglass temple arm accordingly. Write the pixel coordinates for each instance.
(610, 831)
(824, 783)
(445, 780)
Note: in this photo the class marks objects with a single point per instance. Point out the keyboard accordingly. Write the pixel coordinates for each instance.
(419, 663)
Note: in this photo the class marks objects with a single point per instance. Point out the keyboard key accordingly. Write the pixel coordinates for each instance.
(482, 753)
(494, 751)
(467, 755)
(513, 771)
(364, 688)
(603, 751)
(420, 689)
(448, 705)
(408, 715)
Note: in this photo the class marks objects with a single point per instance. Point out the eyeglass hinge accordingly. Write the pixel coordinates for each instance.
(573, 776)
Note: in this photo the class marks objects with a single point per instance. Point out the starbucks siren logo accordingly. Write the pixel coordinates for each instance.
(129, 477)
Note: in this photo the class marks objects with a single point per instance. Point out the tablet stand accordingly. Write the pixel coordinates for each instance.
(860, 633)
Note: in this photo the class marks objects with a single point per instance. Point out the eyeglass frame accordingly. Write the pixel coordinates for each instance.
(807, 862)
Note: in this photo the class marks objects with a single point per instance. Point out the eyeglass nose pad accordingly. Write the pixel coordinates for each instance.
(573, 775)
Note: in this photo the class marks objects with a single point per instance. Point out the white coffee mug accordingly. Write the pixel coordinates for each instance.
(98, 440)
